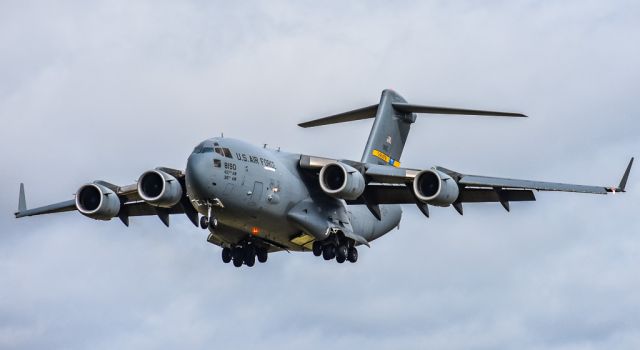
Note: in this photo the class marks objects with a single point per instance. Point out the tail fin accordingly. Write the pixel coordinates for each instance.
(393, 119)
(389, 132)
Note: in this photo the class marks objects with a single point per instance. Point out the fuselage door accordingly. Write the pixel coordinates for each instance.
(256, 194)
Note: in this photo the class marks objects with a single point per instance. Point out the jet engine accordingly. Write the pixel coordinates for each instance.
(97, 202)
(342, 181)
(159, 189)
(435, 187)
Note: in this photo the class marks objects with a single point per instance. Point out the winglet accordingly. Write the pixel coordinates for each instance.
(22, 203)
(623, 181)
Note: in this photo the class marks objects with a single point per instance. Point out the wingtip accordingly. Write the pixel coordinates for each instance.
(625, 177)
(22, 203)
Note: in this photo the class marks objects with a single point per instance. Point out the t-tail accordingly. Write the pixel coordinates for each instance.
(393, 119)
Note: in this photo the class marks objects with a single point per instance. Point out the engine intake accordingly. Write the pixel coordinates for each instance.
(159, 189)
(342, 181)
(435, 187)
(97, 202)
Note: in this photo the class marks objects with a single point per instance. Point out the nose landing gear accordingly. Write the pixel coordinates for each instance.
(209, 222)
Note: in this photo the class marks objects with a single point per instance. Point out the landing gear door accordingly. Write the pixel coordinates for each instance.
(256, 194)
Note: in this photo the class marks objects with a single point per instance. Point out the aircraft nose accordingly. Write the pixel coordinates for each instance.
(198, 176)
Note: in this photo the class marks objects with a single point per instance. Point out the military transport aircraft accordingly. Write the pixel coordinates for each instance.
(253, 200)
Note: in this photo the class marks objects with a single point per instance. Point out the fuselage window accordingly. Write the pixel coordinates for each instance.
(217, 163)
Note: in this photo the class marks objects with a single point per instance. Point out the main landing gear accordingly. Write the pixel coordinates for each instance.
(244, 253)
(334, 247)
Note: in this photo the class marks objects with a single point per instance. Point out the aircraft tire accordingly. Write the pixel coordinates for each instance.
(204, 222)
(317, 248)
(352, 255)
(263, 255)
(226, 255)
(329, 252)
(212, 223)
(250, 260)
(341, 253)
(237, 262)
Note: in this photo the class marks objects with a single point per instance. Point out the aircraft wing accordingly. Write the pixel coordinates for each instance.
(393, 185)
(132, 203)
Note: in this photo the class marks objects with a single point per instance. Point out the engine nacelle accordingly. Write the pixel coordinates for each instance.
(97, 202)
(159, 189)
(342, 181)
(435, 187)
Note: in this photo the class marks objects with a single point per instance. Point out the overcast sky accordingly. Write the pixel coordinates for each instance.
(109, 89)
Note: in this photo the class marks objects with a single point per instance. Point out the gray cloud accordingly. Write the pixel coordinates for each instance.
(110, 89)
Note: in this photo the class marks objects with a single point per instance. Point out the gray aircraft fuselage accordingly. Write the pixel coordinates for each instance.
(262, 191)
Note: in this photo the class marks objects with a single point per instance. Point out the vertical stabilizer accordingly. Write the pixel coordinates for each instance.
(389, 132)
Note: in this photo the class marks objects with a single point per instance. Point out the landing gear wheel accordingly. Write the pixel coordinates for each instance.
(317, 248)
(212, 223)
(237, 254)
(341, 253)
(249, 256)
(352, 255)
(250, 260)
(204, 222)
(226, 255)
(329, 252)
(237, 262)
(263, 255)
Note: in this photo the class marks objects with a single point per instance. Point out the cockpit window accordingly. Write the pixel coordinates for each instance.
(219, 151)
(227, 153)
(202, 149)
(217, 163)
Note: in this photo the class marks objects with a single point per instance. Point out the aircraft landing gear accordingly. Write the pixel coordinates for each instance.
(263, 255)
(340, 248)
(226, 255)
(352, 255)
(341, 253)
(329, 252)
(210, 221)
(245, 253)
(317, 248)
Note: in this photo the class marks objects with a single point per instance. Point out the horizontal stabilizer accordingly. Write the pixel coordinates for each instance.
(356, 114)
(411, 108)
(370, 112)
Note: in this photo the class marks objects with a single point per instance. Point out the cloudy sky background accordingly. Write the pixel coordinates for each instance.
(109, 89)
